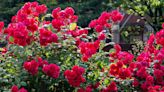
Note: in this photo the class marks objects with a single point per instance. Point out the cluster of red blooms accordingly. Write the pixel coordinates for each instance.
(51, 70)
(122, 59)
(116, 16)
(74, 76)
(148, 69)
(103, 21)
(87, 49)
(89, 88)
(119, 71)
(150, 65)
(15, 89)
(160, 37)
(31, 67)
(111, 88)
(63, 17)
(25, 23)
(122, 56)
(47, 36)
(42, 62)
(77, 32)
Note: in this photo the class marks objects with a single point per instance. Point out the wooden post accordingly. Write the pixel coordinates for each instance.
(115, 33)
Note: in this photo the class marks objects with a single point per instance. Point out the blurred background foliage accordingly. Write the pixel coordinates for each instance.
(85, 9)
(152, 11)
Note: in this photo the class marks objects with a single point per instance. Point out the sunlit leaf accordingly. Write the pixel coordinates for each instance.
(72, 26)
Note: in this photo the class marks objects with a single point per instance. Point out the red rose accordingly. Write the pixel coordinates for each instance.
(22, 90)
(74, 76)
(101, 36)
(42, 62)
(31, 67)
(14, 88)
(41, 9)
(69, 10)
(81, 90)
(1, 25)
(160, 37)
(112, 87)
(99, 28)
(135, 83)
(116, 16)
(51, 70)
(93, 23)
(84, 58)
(114, 70)
(46, 37)
(57, 24)
(117, 47)
(150, 79)
(124, 73)
(55, 12)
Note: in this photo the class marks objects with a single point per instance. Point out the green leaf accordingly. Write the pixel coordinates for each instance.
(106, 81)
(83, 65)
(111, 50)
(11, 39)
(23, 83)
(17, 80)
(73, 26)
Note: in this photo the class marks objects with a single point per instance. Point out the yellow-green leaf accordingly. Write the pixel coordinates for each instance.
(72, 26)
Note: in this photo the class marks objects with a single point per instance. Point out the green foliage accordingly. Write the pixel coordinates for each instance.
(8, 72)
(8, 8)
(138, 47)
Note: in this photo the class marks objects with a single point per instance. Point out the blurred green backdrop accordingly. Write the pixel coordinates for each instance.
(85, 9)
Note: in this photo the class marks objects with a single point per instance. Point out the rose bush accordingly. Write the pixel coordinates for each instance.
(59, 56)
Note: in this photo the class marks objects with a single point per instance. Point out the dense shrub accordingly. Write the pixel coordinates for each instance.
(60, 56)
